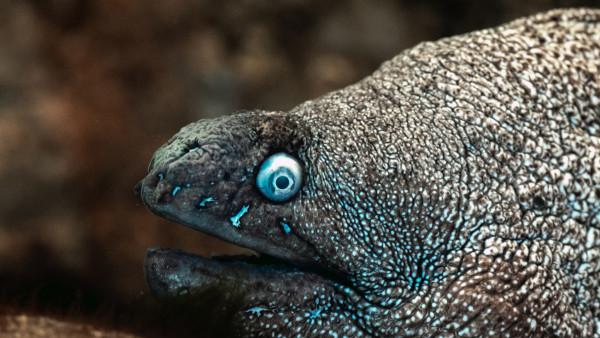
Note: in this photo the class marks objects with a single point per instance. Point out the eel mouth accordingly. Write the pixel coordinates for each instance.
(174, 273)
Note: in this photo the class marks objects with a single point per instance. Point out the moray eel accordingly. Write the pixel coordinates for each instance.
(453, 192)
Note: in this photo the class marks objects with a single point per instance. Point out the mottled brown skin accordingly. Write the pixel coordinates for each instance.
(453, 193)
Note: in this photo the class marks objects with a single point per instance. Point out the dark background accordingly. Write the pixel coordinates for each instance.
(89, 89)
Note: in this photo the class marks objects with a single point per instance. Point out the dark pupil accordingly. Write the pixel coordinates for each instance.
(282, 182)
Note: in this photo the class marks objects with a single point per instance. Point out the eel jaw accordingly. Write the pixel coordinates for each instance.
(180, 210)
(236, 296)
(221, 228)
(175, 274)
(242, 298)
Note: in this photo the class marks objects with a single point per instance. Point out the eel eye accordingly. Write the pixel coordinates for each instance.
(279, 177)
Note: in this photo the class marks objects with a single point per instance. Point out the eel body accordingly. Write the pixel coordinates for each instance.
(455, 192)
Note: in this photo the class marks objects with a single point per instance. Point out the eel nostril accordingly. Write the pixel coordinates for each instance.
(164, 191)
(153, 180)
(164, 196)
(194, 145)
(137, 189)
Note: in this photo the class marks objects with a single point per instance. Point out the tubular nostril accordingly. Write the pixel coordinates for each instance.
(164, 192)
(152, 181)
(164, 198)
(137, 189)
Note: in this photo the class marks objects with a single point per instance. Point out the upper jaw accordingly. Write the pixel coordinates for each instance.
(183, 212)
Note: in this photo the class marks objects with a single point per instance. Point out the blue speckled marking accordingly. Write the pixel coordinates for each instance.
(256, 310)
(235, 220)
(286, 228)
(204, 202)
(313, 314)
(161, 177)
(176, 189)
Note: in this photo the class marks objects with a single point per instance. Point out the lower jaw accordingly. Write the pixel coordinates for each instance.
(222, 290)
(174, 273)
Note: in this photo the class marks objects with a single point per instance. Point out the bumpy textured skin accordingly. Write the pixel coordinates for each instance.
(455, 192)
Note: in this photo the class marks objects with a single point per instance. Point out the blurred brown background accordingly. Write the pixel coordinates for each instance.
(89, 89)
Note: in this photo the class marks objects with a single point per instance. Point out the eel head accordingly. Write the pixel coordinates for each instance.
(246, 178)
